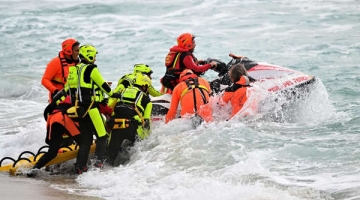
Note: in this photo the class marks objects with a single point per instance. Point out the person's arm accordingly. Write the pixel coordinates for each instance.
(147, 111)
(173, 105)
(226, 97)
(119, 88)
(153, 92)
(50, 72)
(99, 80)
(190, 64)
(112, 101)
(125, 81)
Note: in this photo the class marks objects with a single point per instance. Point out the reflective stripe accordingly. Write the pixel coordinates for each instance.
(75, 80)
(121, 123)
(136, 105)
(64, 65)
(176, 60)
(193, 87)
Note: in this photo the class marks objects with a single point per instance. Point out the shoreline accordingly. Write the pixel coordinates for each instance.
(19, 187)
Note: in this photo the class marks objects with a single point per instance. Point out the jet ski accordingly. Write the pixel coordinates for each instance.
(276, 81)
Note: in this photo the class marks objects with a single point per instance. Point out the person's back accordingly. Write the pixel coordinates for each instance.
(181, 57)
(127, 81)
(236, 94)
(193, 92)
(81, 88)
(57, 70)
(130, 120)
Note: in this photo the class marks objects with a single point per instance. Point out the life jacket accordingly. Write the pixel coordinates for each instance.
(130, 107)
(192, 85)
(126, 81)
(174, 66)
(174, 62)
(80, 84)
(64, 70)
(81, 89)
(58, 117)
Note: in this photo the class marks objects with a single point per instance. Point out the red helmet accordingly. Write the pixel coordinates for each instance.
(186, 40)
(186, 74)
(67, 46)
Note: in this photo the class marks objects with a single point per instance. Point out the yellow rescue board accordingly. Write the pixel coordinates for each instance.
(64, 154)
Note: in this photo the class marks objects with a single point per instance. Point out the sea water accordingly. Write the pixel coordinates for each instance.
(313, 153)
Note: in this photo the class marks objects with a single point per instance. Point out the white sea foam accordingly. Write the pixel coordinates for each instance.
(312, 154)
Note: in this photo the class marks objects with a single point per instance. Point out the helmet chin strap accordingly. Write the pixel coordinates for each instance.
(70, 58)
(144, 88)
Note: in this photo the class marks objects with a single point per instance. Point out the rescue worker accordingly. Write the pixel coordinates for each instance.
(236, 93)
(127, 80)
(193, 92)
(130, 121)
(57, 124)
(57, 69)
(181, 57)
(81, 83)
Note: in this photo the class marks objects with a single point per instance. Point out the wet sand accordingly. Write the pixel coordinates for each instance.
(20, 187)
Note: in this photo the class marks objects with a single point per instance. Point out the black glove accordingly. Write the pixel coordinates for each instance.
(58, 95)
(49, 109)
(110, 123)
(202, 62)
(105, 101)
(146, 124)
(116, 95)
(221, 68)
(54, 93)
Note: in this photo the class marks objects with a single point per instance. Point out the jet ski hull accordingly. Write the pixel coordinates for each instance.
(276, 80)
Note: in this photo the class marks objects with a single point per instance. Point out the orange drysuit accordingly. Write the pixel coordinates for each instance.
(237, 94)
(184, 92)
(56, 73)
(58, 116)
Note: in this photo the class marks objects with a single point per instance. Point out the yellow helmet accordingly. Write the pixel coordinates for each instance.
(142, 80)
(88, 52)
(143, 68)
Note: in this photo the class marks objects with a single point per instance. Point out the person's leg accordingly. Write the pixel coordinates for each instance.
(100, 151)
(86, 139)
(54, 146)
(114, 146)
(128, 137)
(101, 135)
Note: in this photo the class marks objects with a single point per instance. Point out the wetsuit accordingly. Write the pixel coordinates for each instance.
(81, 88)
(130, 120)
(126, 81)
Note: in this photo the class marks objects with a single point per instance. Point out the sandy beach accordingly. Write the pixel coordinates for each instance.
(20, 187)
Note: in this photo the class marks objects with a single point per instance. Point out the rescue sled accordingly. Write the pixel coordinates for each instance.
(27, 158)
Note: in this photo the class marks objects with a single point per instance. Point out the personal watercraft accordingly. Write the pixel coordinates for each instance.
(276, 81)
